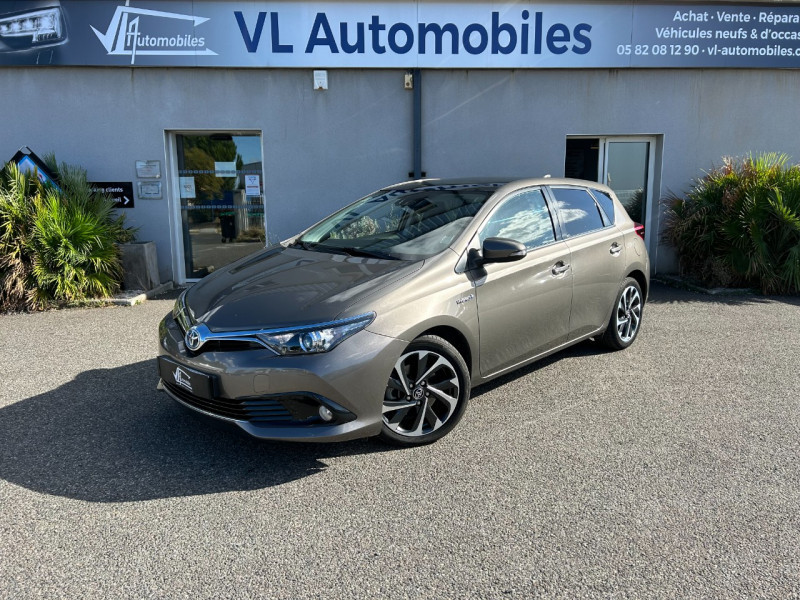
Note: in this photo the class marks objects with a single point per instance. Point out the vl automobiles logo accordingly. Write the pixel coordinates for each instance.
(182, 378)
(127, 36)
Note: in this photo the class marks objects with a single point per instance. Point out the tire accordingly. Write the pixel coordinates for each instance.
(626, 318)
(426, 394)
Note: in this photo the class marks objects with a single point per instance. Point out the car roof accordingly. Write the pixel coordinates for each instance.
(509, 183)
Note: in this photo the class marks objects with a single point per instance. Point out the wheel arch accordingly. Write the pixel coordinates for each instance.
(456, 339)
(641, 279)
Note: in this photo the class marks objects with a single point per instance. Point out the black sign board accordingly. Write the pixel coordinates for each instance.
(120, 191)
(177, 376)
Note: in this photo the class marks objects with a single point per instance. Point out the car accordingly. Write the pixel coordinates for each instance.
(379, 319)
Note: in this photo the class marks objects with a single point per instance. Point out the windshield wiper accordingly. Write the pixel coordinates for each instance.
(304, 245)
(366, 253)
(346, 250)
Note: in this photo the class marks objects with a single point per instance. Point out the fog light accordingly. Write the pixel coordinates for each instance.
(325, 413)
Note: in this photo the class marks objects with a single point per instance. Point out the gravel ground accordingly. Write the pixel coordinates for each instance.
(669, 470)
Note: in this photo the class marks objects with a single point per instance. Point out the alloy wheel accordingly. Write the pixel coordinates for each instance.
(422, 393)
(629, 313)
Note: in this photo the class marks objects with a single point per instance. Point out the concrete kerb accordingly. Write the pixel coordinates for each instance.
(134, 297)
(679, 282)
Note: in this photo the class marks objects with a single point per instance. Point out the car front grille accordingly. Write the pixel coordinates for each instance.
(259, 410)
(228, 346)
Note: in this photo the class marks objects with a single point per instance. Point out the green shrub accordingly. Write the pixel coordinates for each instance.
(56, 246)
(16, 223)
(740, 225)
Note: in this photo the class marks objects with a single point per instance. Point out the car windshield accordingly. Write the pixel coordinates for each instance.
(406, 224)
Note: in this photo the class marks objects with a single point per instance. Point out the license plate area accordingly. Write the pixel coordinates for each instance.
(189, 380)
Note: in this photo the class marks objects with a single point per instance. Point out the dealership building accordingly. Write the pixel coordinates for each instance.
(224, 124)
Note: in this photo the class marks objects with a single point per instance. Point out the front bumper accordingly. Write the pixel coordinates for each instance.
(278, 397)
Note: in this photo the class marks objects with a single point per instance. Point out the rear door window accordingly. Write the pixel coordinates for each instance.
(577, 211)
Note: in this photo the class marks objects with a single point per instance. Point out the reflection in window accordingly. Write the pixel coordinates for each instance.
(577, 210)
(634, 205)
(607, 204)
(524, 218)
(627, 174)
(408, 224)
(221, 201)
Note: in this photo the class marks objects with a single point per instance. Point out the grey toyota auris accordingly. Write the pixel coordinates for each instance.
(379, 319)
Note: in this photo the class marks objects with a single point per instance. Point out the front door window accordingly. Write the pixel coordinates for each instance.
(221, 199)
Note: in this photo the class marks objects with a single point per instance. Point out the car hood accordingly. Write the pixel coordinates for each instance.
(283, 287)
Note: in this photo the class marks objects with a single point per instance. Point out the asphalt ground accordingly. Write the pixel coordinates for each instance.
(669, 470)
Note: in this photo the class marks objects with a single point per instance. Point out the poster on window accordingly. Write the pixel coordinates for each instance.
(252, 185)
(187, 188)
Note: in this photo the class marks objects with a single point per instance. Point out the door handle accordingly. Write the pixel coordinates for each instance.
(560, 268)
(615, 249)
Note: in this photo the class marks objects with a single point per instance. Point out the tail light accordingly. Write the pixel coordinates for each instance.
(639, 229)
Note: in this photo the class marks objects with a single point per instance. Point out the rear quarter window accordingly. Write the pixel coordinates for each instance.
(607, 204)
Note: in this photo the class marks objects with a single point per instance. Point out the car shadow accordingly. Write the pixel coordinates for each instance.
(585, 348)
(109, 436)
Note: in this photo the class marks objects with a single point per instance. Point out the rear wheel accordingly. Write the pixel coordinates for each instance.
(426, 394)
(626, 317)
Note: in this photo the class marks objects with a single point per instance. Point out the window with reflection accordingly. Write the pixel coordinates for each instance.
(524, 217)
(577, 210)
(403, 223)
(607, 206)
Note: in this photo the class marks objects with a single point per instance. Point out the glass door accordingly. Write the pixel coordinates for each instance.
(626, 172)
(221, 199)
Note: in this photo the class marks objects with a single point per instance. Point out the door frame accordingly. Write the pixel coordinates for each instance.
(172, 185)
(652, 209)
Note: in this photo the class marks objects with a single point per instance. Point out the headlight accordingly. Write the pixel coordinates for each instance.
(292, 341)
(313, 339)
(41, 26)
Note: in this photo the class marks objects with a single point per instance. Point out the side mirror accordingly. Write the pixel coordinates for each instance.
(496, 250)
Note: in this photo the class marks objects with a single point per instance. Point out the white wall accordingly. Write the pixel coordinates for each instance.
(323, 149)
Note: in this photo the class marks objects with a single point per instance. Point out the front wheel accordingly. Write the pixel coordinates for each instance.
(426, 394)
(626, 317)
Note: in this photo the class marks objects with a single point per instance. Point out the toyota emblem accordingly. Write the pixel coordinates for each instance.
(193, 339)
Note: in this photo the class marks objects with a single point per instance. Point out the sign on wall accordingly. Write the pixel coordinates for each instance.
(121, 192)
(357, 34)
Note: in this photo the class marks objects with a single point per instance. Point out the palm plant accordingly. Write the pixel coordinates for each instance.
(57, 245)
(740, 224)
(16, 260)
(74, 253)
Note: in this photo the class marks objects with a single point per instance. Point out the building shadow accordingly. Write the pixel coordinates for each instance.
(109, 436)
(661, 293)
